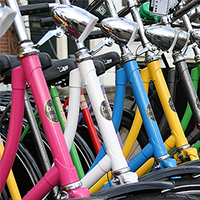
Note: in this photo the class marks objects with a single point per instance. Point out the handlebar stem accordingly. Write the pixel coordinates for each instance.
(67, 2)
(111, 8)
(18, 22)
(136, 16)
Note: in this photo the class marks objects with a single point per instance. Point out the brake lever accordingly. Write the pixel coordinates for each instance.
(57, 32)
(106, 42)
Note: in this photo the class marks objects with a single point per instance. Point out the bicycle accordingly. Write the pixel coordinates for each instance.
(18, 90)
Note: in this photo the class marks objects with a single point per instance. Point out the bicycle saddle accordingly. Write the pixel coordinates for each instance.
(9, 62)
(5, 63)
(59, 72)
(166, 37)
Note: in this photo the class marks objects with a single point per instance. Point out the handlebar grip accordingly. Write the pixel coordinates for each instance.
(124, 11)
(34, 8)
(193, 136)
(46, 22)
(184, 10)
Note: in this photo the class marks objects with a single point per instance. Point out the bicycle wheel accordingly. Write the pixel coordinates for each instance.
(25, 170)
(124, 129)
(85, 154)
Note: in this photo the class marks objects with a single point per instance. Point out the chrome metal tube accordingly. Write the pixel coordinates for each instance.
(18, 22)
(111, 8)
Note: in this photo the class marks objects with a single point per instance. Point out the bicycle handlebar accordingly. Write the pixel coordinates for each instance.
(184, 10)
(36, 8)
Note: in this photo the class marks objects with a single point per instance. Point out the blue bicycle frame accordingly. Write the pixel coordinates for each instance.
(155, 148)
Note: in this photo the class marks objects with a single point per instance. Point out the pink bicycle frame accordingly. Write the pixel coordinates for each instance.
(63, 171)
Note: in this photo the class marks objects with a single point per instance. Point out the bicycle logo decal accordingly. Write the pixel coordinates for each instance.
(104, 110)
(63, 68)
(171, 104)
(149, 112)
(198, 103)
(50, 111)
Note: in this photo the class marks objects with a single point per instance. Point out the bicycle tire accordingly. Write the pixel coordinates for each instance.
(142, 190)
(185, 180)
(156, 196)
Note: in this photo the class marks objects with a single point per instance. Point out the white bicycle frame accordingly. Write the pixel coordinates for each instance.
(85, 75)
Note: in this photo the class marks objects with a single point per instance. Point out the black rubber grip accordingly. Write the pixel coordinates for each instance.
(124, 11)
(46, 22)
(34, 8)
(193, 136)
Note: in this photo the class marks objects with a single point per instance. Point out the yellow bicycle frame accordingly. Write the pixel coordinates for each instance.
(177, 139)
(11, 182)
